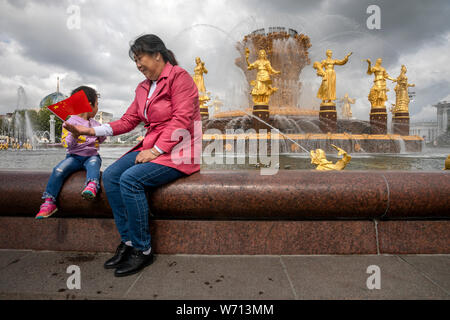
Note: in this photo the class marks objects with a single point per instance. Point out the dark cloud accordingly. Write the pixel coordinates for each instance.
(36, 44)
(405, 25)
(284, 6)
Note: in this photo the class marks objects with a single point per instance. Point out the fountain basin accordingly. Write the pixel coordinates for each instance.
(223, 212)
(245, 194)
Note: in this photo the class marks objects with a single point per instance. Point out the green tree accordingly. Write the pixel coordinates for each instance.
(43, 120)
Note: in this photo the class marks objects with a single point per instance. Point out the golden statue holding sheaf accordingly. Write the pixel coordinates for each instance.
(262, 86)
(377, 95)
(318, 157)
(199, 70)
(325, 69)
(401, 92)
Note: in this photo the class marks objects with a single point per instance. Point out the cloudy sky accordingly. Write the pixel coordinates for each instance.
(40, 40)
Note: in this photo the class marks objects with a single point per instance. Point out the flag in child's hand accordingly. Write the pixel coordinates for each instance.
(75, 104)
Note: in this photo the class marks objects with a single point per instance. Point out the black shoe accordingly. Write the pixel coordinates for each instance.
(122, 253)
(136, 261)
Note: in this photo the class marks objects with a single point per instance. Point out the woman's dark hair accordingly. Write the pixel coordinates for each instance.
(91, 94)
(151, 44)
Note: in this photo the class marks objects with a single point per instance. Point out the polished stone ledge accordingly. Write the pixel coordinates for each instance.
(248, 195)
(211, 237)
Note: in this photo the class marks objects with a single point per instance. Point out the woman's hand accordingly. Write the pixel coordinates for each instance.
(79, 130)
(147, 155)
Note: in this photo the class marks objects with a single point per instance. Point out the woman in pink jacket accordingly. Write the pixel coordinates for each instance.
(167, 102)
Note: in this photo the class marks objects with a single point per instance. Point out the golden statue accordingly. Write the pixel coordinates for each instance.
(377, 95)
(447, 163)
(346, 109)
(199, 70)
(324, 85)
(27, 145)
(262, 87)
(401, 92)
(325, 69)
(318, 157)
(217, 104)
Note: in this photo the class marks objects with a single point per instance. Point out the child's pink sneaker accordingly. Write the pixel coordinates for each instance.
(47, 209)
(90, 192)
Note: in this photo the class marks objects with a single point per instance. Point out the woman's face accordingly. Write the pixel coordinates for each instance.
(149, 65)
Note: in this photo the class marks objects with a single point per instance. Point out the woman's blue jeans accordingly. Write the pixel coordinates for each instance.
(125, 183)
(69, 165)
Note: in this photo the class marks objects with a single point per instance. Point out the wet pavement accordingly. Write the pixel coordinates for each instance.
(26, 274)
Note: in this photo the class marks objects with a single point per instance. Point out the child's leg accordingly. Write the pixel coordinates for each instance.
(59, 174)
(66, 167)
(92, 166)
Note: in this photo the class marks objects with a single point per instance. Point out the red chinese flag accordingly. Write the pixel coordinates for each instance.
(75, 104)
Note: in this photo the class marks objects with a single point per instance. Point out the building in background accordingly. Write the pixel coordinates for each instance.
(53, 98)
(104, 117)
(428, 130)
(443, 116)
(443, 124)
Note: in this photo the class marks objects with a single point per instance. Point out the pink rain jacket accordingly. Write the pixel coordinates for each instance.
(174, 121)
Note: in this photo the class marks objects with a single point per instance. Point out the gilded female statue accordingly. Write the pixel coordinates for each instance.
(327, 90)
(262, 87)
(377, 95)
(346, 109)
(199, 70)
(401, 91)
(324, 85)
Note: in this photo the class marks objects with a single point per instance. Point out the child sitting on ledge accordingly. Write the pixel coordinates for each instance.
(82, 152)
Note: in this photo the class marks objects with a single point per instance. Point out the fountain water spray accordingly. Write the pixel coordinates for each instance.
(282, 134)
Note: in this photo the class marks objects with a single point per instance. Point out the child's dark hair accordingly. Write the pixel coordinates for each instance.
(91, 94)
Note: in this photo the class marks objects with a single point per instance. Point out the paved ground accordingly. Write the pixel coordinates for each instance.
(28, 274)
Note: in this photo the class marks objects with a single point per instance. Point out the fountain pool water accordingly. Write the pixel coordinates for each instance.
(429, 160)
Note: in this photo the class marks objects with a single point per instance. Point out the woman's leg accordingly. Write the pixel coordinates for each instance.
(66, 167)
(111, 180)
(132, 186)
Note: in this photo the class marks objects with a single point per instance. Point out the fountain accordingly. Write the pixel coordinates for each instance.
(386, 208)
(286, 51)
(19, 127)
(16, 128)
